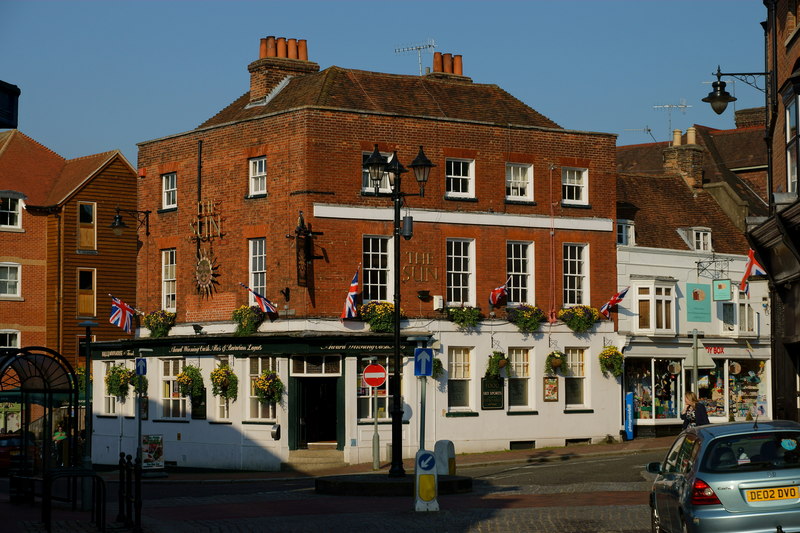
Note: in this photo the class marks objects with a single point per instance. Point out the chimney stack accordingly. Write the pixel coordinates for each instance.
(447, 66)
(278, 58)
(686, 160)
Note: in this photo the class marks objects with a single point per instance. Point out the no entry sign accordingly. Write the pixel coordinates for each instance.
(374, 375)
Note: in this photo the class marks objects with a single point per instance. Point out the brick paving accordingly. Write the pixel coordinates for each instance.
(586, 507)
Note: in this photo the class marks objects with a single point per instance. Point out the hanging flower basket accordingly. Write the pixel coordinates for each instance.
(190, 381)
(438, 368)
(464, 317)
(80, 377)
(224, 382)
(497, 361)
(379, 315)
(527, 318)
(579, 318)
(159, 323)
(139, 384)
(553, 362)
(268, 387)
(118, 381)
(611, 360)
(247, 319)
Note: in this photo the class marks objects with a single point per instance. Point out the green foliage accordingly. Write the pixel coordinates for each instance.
(80, 377)
(553, 362)
(268, 387)
(247, 319)
(139, 384)
(497, 361)
(579, 318)
(527, 318)
(224, 382)
(190, 381)
(611, 361)
(379, 315)
(118, 381)
(159, 323)
(438, 368)
(464, 317)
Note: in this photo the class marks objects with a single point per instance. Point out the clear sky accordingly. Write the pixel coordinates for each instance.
(103, 75)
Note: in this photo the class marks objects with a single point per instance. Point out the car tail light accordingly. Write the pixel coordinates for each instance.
(702, 494)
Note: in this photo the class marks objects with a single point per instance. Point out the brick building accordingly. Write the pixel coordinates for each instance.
(271, 193)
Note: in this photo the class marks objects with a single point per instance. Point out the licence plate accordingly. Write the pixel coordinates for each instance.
(767, 495)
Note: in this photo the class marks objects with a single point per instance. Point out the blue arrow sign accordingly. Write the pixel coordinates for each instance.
(423, 361)
(141, 366)
(426, 461)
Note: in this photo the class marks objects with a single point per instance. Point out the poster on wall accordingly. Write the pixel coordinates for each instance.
(698, 302)
(722, 290)
(550, 389)
(152, 452)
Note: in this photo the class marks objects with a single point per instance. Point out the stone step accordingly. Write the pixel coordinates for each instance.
(314, 460)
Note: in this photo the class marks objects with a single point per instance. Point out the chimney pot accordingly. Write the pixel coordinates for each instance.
(302, 50)
(262, 48)
(282, 47)
(437, 61)
(691, 135)
(447, 63)
(458, 67)
(676, 137)
(271, 48)
(291, 45)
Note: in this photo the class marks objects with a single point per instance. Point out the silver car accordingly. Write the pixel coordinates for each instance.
(740, 477)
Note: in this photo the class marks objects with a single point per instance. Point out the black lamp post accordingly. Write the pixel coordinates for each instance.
(377, 165)
(118, 225)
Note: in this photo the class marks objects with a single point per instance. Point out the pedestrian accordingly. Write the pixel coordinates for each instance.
(59, 435)
(694, 413)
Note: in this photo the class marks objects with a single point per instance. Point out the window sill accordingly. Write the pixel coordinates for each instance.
(170, 421)
(471, 199)
(578, 411)
(166, 210)
(258, 422)
(522, 413)
(220, 422)
(86, 252)
(255, 196)
(12, 229)
(6, 298)
(511, 201)
(107, 416)
(576, 206)
(461, 414)
(381, 422)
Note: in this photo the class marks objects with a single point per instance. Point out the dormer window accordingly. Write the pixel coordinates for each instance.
(701, 237)
(625, 233)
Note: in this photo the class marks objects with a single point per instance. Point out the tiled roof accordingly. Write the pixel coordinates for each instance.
(336, 87)
(660, 205)
(43, 176)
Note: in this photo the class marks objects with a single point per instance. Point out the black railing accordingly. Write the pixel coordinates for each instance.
(130, 492)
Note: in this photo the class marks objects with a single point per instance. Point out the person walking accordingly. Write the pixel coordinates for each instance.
(694, 413)
(59, 435)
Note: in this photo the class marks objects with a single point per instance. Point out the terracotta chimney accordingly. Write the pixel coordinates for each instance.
(273, 66)
(458, 67)
(447, 63)
(437, 61)
(676, 137)
(691, 135)
(271, 49)
(291, 45)
(282, 47)
(302, 50)
(262, 48)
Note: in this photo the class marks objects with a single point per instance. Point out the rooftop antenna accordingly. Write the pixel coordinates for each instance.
(418, 48)
(646, 130)
(669, 107)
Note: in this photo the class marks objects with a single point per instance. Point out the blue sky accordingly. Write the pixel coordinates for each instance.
(103, 75)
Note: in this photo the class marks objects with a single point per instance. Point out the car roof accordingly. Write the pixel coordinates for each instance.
(713, 431)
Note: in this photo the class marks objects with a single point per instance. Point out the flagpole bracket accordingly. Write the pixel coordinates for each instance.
(713, 267)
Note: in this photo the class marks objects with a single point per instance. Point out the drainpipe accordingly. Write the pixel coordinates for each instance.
(199, 170)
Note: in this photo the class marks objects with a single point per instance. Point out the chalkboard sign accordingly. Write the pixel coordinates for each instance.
(492, 394)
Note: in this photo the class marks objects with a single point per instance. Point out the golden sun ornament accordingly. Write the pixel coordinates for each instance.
(205, 274)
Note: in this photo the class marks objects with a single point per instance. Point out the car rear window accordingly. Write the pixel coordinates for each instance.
(753, 452)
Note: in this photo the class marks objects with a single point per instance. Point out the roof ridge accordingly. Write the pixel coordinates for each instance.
(37, 143)
(91, 155)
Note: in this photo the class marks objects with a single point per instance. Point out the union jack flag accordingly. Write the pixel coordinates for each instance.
(121, 315)
(497, 295)
(617, 298)
(263, 303)
(350, 310)
(752, 268)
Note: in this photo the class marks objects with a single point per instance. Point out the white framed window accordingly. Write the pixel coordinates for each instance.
(369, 399)
(9, 338)
(256, 409)
(258, 175)
(173, 403)
(626, 234)
(575, 186)
(701, 239)
(10, 282)
(460, 277)
(258, 268)
(87, 295)
(459, 378)
(376, 276)
(519, 182)
(576, 274)
(792, 144)
(315, 365)
(519, 261)
(460, 178)
(223, 404)
(520, 390)
(738, 317)
(169, 190)
(575, 378)
(87, 227)
(10, 213)
(655, 308)
(112, 404)
(367, 186)
(168, 280)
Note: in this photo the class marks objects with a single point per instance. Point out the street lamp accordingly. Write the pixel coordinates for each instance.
(118, 225)
(377, 165)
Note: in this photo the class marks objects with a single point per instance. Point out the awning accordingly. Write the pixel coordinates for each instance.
(705, 353)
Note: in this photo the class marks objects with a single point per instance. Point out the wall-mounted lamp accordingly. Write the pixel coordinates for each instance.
(118, 225)
(424, 295)
(286, 293)
(198, 329)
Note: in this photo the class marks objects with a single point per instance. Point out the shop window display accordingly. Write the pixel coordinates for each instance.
(747, 389)
(655, 384)
(710, 388)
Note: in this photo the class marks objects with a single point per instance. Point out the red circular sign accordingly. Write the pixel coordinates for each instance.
(374, 375)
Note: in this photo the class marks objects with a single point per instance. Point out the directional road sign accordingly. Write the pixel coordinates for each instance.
(374, 375)
(426, 461)
(141, 366)
(423, 361)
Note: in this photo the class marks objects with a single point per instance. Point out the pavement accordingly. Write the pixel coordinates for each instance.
(303, 510)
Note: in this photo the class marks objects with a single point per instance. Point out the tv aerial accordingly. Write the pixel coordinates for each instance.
(682, 107)
(430, 44)
(646, 130)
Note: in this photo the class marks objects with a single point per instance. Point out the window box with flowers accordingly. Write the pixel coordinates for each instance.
(497, 361)
(268, 387)
(464, 317)
(579, 318)
(248, 318)
(190, 381)
(224, 382)
(379, 315)
(611, 360)
(527, 318)
(159, 323)
(553, 362)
